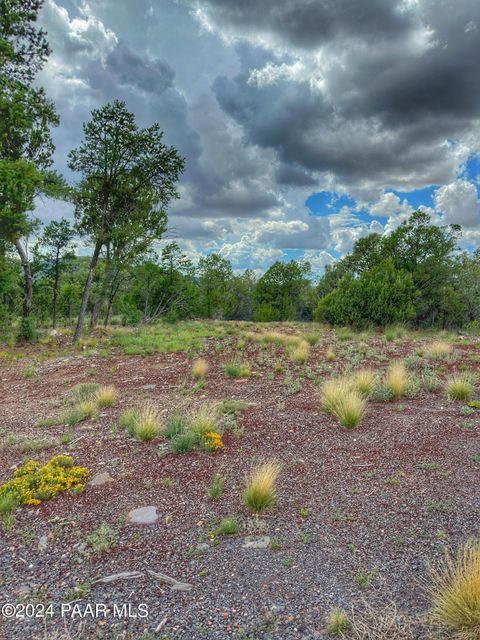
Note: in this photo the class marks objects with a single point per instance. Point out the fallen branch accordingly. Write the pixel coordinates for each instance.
(175, 585)
(124, 575)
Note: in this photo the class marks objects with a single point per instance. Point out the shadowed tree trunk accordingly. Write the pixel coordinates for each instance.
(27, 285)
(86, 291)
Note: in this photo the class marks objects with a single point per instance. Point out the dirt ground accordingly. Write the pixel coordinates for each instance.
(360, 513)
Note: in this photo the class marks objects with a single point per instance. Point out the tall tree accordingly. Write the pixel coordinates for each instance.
(215, 274)
(54, 249)
(283, 288)
(25, 119)
(128, 179)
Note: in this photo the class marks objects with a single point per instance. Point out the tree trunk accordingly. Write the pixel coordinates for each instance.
(86, 291)
(27, 287)
(96, 310)
(55, 291)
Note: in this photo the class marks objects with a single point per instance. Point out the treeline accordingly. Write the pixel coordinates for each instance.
(126, 178)
(416, 275)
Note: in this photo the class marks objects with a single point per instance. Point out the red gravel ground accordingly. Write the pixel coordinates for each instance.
(340, 533)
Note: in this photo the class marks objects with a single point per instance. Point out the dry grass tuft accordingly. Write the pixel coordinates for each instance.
(199, 369)
(438, 349)
(260, 491)
(106, 396)
(455, 593)
(396, 379)
(330, 355)
(340, 399)
(148, 424)
(299, 354)
(383, 624)
(363, 381)
(338, 622)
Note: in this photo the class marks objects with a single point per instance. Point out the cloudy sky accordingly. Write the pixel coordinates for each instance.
(305, 124)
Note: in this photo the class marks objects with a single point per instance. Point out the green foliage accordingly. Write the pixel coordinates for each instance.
(281, 293)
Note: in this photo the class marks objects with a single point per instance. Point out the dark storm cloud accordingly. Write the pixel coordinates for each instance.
(149, 74)
(308, 23)
(361, 110)
(293, 176)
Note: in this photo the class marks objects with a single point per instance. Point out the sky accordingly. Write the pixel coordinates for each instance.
(305, 124)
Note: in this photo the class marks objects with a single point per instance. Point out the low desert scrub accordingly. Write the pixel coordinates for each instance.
(84, 410)
(363, 381)
(106, 396)
(396, 379)
(232, 407)
(83, 392)
(128, 420)
(228, 526)
(195, 428)
(148, 424)
(338, 622)
(459, 387)
(454, 591)
(299, 353)
(330, 355)
(340, 399)
(237, 370)
(199, 369)
(260, 490)
(383, 624)
(438, 349)
(216, 487)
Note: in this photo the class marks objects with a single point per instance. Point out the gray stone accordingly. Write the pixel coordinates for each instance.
(143, 515)
(256, 542)
(101, 478)
(42, 543)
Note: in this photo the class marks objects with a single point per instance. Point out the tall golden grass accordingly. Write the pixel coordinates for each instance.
(260, 491)
(454, 590)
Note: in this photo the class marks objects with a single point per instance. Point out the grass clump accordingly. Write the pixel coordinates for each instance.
(338, 622)
(216, 487)
(237, 370)
(148, 424)
(102, 539)
(128, 420)
(396, 379)
(260, 490)
(364, 381)
(106, 396)
(199, 369)
(459, 387)
(228, 526)
(312, 339)
(299, 353)
(330, 355)
(85, 391)
(84, 410)
(199, 428)
(232, 407)
(437, 350)
(455, 593)
(344, 402)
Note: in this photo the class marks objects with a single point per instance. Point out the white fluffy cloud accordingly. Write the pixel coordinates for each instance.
(459, 203)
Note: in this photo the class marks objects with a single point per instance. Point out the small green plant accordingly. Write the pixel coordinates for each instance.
(84, 410)
(128, 420)
(338, 622)
(83, 392)
(232, 407)
(148, 425)
(29, 372)
(216, 487)
(102, 539)
(459, 387)
(237, 370)
(312, 339)
(362, 578)
(229, 526)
